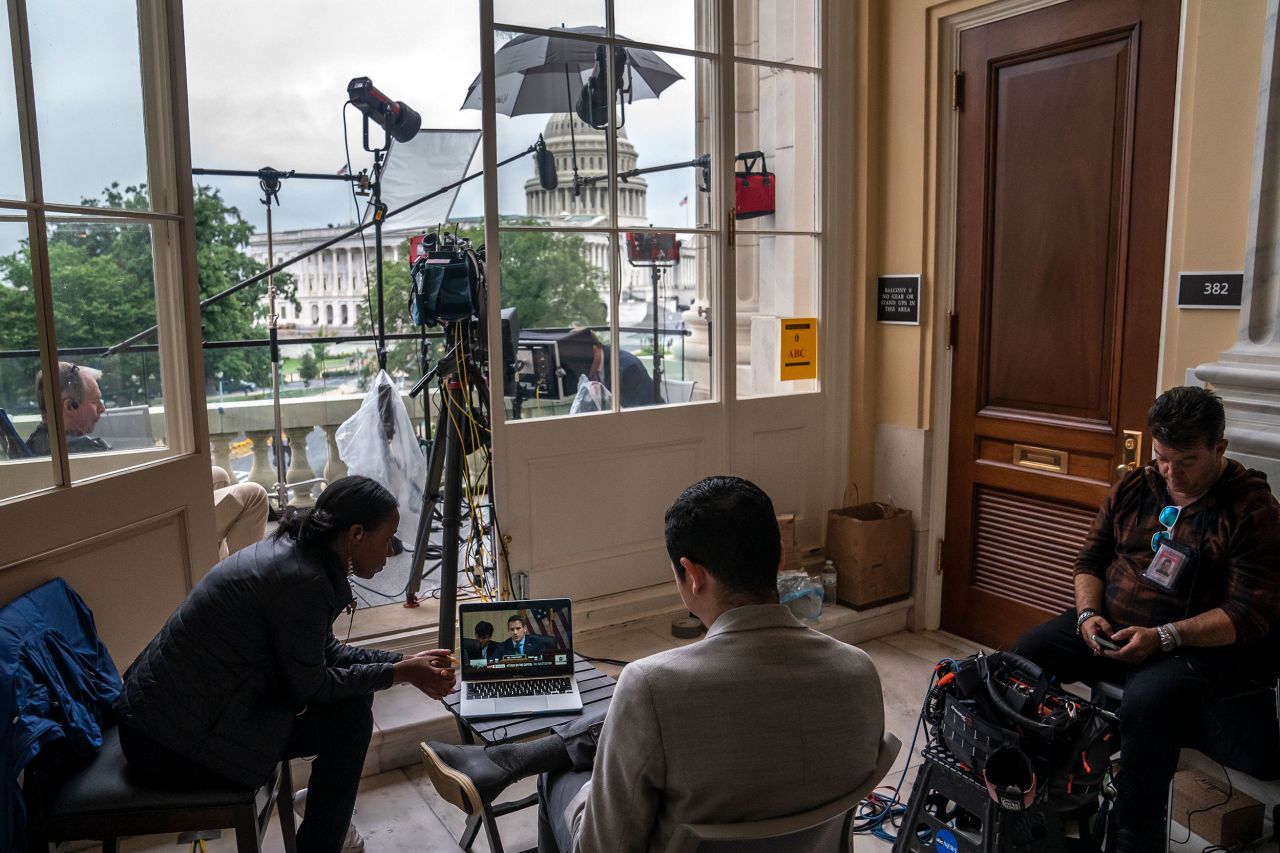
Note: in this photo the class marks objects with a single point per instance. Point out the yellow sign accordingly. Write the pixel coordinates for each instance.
(799, 348)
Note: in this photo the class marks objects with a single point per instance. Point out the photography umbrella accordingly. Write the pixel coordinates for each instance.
(535, 73)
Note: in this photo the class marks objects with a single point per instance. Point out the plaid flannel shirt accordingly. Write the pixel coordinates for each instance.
(1234, 530)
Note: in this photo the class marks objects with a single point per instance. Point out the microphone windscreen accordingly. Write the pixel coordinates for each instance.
(545, 163)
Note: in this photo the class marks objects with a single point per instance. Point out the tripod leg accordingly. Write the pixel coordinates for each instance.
(431, 497)
(455, 405)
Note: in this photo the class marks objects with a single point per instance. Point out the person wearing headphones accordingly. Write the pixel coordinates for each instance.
(82, 408)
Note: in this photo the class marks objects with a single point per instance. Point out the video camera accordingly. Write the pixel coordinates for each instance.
(652, 248)
(448, 279)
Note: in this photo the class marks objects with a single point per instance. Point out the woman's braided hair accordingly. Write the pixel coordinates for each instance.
(347, 501)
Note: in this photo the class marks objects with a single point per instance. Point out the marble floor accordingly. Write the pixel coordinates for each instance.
(399, 810)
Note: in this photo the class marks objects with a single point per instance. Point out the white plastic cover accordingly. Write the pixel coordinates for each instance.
(592, 396)
(395, 461)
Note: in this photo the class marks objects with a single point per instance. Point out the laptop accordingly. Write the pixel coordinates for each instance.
(516, 659)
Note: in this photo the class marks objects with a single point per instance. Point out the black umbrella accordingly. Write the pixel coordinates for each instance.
(536, 73)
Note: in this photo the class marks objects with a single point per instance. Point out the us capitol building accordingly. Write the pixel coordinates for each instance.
(331, 285)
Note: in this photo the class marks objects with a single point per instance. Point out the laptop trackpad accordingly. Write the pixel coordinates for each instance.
(522, 704)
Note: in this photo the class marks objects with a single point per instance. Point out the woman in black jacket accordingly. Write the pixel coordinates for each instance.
(247, 671)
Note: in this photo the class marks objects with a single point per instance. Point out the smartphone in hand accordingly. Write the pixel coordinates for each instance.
(1106, 642)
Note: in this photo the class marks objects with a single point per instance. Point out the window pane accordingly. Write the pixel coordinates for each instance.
(777, 280)
(544, 103)
(777, 30)
(102, 274)
(672, 130)
(11, 185)
(672, 270)
(678, 23)
(549, 13)
(777, 114)
(558, 284)
(20, 473)
(88, 91)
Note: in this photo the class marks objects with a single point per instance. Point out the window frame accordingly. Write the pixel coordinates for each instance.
(171, 222)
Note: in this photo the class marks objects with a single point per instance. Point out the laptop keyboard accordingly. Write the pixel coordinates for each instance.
(520, 687)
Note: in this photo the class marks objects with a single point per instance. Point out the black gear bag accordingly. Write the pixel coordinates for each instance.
(986, 703)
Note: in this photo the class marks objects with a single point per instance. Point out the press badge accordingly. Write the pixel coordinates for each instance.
(1168, 564)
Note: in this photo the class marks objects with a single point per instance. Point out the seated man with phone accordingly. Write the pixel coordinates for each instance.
(1177, 590)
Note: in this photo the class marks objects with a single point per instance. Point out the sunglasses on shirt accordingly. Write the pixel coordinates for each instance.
(1168, 518)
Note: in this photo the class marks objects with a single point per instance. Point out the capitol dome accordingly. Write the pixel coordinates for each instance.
(565, 133)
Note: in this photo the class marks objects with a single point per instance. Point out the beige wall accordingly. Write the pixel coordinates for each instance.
(1213, 163)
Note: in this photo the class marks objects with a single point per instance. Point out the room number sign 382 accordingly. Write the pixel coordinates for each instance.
(1210, 289)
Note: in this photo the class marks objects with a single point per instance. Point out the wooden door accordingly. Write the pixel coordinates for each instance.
(1065, 133)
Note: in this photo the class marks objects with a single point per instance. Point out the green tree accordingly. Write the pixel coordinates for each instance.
(546, 277)
(307, 368)
(103, 283)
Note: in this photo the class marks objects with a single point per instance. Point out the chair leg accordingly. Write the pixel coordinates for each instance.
(491, 830)
(284, 808)
(246, 828)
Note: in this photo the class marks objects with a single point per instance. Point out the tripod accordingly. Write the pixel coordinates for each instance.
(461, 428)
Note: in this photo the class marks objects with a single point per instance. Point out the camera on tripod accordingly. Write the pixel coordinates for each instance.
(447, 280)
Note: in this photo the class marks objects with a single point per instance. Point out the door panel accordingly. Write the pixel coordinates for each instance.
(1064, 155)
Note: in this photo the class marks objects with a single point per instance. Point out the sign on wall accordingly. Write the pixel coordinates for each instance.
(1210, 289)
(898, 299)
(799, 348)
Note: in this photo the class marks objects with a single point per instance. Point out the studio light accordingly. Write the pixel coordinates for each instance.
(395, 117)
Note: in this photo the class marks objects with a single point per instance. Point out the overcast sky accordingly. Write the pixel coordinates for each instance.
(267, 83)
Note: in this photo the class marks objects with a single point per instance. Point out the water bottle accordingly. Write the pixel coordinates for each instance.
(829, 582)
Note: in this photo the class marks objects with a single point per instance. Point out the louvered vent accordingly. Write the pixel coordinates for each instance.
(1024, 548)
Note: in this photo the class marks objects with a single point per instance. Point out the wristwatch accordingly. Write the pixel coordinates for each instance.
(1167, 641)
(1085, 616)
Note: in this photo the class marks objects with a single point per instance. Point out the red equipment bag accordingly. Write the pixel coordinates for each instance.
(755, 192)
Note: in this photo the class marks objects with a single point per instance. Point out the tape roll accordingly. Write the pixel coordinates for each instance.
(686, 628)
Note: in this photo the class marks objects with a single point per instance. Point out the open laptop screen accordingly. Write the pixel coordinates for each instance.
(508, 639)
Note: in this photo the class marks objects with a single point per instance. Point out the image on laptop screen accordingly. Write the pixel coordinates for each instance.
(515, 638)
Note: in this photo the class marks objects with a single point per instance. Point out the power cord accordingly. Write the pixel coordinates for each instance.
(881, 814)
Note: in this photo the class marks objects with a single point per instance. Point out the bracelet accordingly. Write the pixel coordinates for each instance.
(1166, 638)
(1085, 616)
(1177, 638)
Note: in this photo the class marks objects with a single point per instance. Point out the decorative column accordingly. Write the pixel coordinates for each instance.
(263, 471)
(334, 468)
(299, 467)
(1247, 376)
(221, 453)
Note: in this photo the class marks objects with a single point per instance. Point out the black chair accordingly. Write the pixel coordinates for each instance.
(11, 444)
(103, 801)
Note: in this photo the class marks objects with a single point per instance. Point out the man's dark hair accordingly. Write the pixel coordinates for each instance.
(727, 524)
(483, 629)
(1186, 418)
(516, 618)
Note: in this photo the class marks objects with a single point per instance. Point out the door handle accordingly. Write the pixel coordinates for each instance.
(1130, 452)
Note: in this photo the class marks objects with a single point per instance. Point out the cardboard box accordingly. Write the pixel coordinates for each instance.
(1213, 815)
(790, 554)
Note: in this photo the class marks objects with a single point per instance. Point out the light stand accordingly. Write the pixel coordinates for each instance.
(269, 180)
(379, 214)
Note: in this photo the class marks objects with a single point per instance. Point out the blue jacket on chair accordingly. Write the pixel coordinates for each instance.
(56, 682)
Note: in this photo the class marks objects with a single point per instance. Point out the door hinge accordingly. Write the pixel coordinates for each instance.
(953, 330)
(957, 90)
(731, 227)
(937, 569)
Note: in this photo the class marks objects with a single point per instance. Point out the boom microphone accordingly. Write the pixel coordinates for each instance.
(395, 117)
(545, 162)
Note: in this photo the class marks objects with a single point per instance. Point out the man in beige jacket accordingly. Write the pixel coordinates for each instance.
(761, 718)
